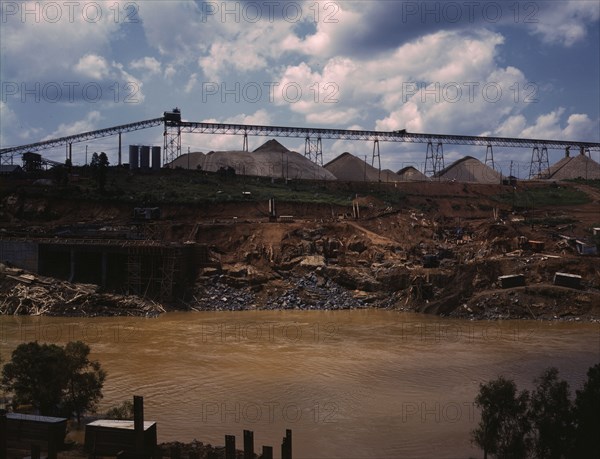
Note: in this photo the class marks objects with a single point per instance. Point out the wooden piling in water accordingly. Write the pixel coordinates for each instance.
(267, 452)
(286, 446)
(248, 444)
(138, 424)
(229, 446)
(3, 435)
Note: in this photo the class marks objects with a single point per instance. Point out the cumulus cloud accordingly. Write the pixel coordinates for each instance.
(317, 94)
(89, 123)
(170, 72)
(147, 64)
(444, 82)
(8, 124)
(60, 32)
(564, 23)
(552, 125)
(93, 66)
(233, 142)
(189, 87)
(13, 130)
(260, 117)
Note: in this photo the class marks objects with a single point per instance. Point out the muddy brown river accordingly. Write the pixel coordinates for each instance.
(350, 384)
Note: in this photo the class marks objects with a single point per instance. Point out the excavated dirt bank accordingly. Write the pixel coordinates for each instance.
(438, 249)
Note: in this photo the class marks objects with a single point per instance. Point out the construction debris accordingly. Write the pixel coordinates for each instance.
(23, 293)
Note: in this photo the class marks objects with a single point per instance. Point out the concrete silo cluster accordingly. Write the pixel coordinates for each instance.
(139, 157)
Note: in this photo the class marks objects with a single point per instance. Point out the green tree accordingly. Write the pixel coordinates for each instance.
(551, 416)
(95, 161)
(587, 416)
(122, 411)
(36, 375)
(55, 380)
(86, 378)
(504, 426)
(99, 166)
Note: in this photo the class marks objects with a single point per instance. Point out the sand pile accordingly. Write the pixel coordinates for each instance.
(190, 160)
(272, 146)
(411, 174)
(572, 167)
(469, 169)
(269, 160)
(350, 168)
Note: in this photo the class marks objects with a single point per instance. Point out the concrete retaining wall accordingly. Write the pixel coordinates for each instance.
(21, 254)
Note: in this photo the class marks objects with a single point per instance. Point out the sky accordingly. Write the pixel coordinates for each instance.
(503, 68)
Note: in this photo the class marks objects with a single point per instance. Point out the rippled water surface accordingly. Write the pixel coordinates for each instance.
(350, 384)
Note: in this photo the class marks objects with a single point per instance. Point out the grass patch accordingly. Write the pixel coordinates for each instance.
(547, 196)
(195, 187)
(593, 183)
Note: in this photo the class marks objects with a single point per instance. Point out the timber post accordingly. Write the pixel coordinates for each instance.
(248, 444)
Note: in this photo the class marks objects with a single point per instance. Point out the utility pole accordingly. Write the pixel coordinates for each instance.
(119, 148)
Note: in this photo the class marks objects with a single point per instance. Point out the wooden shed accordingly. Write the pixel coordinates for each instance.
(24, 430)
(107, 437)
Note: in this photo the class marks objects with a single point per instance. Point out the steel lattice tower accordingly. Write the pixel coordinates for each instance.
(434, 160)
(314, 149)
(540, 165)
(172, 136)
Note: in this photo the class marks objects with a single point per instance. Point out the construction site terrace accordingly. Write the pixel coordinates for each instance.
(154, 241)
